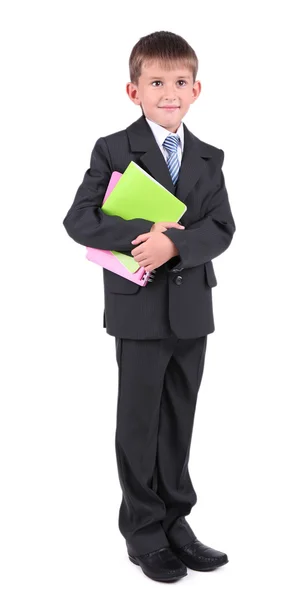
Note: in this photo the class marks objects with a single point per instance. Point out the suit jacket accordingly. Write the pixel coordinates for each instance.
(180, 297)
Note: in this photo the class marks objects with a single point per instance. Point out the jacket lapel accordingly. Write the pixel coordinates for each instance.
(151, 159)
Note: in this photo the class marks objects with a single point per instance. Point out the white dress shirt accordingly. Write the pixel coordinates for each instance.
(160, 133)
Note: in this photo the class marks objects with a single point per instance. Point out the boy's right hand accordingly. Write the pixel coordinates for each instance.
(164, 225)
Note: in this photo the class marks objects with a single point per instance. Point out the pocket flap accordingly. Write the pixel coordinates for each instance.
(119, 285)
(210, 274)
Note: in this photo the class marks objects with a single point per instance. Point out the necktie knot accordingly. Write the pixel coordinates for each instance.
(171, 143)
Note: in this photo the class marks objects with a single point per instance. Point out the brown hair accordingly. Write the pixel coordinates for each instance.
(165, 47)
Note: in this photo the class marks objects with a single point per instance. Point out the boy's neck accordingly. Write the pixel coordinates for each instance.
(172, 130)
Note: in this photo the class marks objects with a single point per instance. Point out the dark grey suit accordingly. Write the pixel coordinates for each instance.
(160, 330)
(177, 300)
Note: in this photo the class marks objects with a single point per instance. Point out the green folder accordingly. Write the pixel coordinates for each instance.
(137, 195)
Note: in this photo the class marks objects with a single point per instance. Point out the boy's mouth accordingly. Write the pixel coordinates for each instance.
(169, 107)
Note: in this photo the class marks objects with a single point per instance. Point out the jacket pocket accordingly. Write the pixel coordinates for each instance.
(210, 274)
(118, 285)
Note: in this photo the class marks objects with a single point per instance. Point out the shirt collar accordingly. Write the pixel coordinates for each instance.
(160, 133)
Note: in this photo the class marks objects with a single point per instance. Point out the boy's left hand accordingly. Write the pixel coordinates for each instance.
(154, 250)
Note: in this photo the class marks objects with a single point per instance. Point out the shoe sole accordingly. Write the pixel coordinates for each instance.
(168, 579)
(207, 568)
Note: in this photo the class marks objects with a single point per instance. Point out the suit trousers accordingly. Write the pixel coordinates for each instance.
(158, 383)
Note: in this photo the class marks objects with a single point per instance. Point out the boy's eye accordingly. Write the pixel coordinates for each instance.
(158, 81)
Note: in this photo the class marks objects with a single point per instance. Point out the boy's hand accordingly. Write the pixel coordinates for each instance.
(164, 225)
(155, 249)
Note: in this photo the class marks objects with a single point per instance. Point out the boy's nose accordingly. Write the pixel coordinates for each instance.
(170, 99)
(169, 91)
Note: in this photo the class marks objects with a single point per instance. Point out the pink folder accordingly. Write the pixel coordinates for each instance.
(106, 259)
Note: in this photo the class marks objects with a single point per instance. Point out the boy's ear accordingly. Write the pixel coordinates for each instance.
(132, 92)
(196, 90)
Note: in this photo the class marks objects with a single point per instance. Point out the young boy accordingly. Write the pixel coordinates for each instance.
(160, 330)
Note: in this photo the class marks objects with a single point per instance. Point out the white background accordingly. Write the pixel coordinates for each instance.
(64, 72)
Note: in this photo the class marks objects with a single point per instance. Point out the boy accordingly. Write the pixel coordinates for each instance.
(160, 330)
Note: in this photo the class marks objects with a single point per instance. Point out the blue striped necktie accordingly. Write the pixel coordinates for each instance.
(171, 144)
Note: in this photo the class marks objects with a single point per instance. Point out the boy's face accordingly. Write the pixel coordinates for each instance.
(159, 89)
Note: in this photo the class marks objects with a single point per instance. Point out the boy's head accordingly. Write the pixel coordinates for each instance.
(163, 68)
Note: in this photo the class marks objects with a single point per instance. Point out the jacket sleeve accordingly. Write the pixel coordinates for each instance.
(86, 223)
(211, 235)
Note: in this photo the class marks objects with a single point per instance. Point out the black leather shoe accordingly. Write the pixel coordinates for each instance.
(160, 565)
(199, 557)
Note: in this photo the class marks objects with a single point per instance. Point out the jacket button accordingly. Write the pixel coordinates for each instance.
(179, 279)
